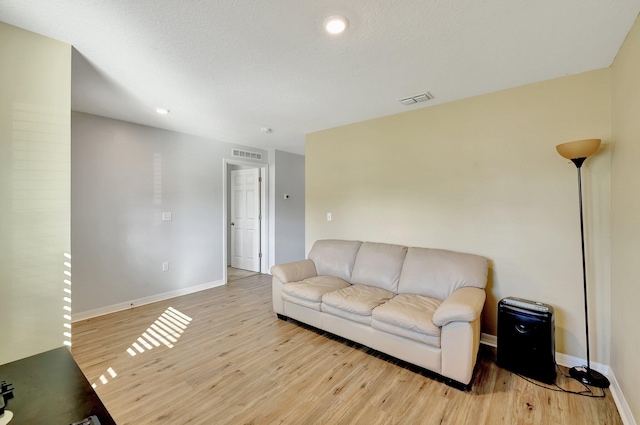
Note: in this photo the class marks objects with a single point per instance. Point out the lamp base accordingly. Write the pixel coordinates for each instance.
(589, 376)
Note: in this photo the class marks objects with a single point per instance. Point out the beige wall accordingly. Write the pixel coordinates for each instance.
(482, 175)
(625, 219)
(35, 107)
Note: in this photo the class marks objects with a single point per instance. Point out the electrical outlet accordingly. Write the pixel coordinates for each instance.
(165, 266)
(166, 216)
(329, 217)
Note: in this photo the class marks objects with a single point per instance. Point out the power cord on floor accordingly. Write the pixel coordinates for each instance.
(587, 392)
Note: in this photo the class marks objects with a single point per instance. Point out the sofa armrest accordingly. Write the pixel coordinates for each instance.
(463, 305)
(294, 272)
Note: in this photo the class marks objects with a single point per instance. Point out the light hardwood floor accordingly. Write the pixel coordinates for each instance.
(234, 362)
(234, 274)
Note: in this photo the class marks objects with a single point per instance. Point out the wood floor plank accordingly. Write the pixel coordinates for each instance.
(236, 363)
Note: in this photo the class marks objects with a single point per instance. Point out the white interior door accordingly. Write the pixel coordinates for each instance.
(245, 219)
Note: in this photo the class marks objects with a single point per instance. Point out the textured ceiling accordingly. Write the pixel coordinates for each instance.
(226, 68)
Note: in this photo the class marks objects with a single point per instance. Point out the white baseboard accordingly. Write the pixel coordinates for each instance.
(75, 317)
(490, 340)
(570, 361)
(561, 358)
(621, 402)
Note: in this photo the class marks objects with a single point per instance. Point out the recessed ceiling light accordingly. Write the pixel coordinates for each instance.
(335, 24)
(162, 111)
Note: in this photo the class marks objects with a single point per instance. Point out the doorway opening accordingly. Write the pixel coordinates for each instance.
(245, 219)
(234, 274)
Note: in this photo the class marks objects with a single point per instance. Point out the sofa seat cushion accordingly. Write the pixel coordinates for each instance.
(309, 292)
(431, 340)
(409, 312)
(355, 302)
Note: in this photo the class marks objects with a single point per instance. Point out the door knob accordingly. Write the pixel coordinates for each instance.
(233, 224)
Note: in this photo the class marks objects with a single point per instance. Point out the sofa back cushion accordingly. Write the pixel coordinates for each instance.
(379, 265)
(334, 257)
(436, 273)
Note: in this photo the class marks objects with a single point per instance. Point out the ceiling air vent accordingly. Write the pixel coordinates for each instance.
(417, 98)
(246, 154)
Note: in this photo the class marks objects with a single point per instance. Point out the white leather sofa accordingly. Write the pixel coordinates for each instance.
(420, 305)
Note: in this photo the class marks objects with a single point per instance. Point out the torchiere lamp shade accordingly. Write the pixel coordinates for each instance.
(579, 148)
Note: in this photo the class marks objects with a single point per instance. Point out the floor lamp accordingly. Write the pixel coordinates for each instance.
(577, 152)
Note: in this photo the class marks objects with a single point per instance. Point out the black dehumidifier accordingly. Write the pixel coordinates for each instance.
(526, 339)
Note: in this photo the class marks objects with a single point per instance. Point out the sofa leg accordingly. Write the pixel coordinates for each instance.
(458, 385)
(282, 317)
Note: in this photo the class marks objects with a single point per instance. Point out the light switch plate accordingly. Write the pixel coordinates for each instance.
(166, 216)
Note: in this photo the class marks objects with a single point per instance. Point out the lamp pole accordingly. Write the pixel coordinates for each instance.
(586, 375)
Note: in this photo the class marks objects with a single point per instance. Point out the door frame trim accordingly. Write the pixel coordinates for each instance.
(264, 223)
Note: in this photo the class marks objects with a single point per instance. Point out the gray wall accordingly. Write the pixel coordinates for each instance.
(289, 213)
(123, 177)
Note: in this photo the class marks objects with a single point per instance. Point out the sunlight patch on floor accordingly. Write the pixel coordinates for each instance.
(165, 330)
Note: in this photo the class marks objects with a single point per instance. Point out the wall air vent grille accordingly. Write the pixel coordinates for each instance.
(417, 98)
(246, 154)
